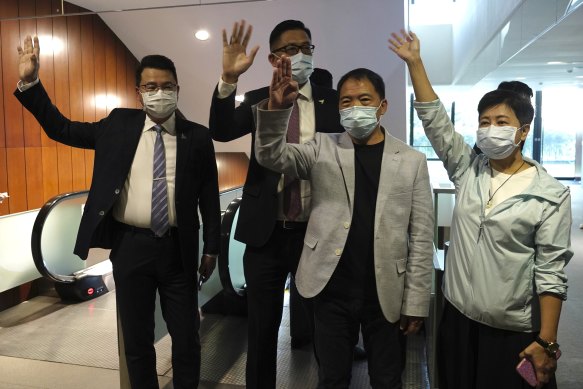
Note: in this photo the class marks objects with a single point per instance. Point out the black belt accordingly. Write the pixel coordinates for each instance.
(287, 225)
(146, 231)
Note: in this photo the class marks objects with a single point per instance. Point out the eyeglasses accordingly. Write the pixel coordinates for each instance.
(294, 49)
(152, 87)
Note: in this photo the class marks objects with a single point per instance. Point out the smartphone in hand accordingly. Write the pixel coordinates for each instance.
(526, 370)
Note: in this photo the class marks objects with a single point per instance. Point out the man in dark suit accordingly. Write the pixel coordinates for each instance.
(273, 238)
(146, 189)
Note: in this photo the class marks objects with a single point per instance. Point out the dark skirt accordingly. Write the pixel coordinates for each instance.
(472, 355)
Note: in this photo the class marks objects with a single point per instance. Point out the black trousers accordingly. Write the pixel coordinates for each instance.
(266, 269)
(472, 355)
(143, 264)
(338, 320)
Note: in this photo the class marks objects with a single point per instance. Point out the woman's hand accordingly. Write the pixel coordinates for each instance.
(544, 365)
(406, 46)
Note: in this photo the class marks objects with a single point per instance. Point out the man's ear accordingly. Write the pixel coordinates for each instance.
(384, 107)
(139, 96)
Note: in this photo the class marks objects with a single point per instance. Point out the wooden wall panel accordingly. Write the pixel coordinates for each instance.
(44, 29)
(50, 172)
(4, 207)
(75, 94)
(131, 66)
(2, 127)
(34, 177)
(12, 109)
(110, 72)
(120, 71)
(16, 167)
(31, 128)
(232, 170)
(88, 78)
(99, 31)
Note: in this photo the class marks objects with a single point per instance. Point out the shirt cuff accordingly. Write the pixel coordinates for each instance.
(224, 89)
(22, 86)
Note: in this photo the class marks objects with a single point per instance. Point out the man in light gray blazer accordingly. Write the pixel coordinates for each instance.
(368, 249)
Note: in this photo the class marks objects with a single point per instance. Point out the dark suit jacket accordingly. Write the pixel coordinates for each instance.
(258, 209)
(115, 139)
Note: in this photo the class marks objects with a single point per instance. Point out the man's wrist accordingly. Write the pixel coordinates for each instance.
(229, 79)
(23, 85)
(213, 256)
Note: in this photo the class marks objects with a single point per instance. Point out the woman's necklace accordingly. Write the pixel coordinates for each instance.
(489, 202)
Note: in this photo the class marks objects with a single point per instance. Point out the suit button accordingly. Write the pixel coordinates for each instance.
(338, 252)
(346, 225)
(101, 213)
(116, 191)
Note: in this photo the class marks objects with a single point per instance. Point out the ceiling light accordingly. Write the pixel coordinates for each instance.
(556, 63)
(202, 35)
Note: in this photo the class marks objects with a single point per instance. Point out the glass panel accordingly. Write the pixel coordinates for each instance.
(466, 118)
(560, 128)
(236, 251)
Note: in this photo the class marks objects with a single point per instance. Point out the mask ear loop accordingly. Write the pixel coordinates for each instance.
(521, 143)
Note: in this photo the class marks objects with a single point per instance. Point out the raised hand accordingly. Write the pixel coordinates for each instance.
(283, 89)
(235, 58)
(28, 59)
(405, 46)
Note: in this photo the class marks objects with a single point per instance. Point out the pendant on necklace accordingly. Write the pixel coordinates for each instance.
(488, 204)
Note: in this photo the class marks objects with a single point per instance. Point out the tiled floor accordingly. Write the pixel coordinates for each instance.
(47, 344)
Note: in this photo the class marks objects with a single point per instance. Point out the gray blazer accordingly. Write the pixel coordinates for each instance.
(403, 243)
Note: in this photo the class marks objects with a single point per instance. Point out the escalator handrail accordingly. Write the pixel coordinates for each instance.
(36, 237)
(223, 265)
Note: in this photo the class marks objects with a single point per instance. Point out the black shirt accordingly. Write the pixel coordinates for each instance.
(354, 276)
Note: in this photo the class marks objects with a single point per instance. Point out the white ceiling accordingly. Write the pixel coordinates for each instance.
(563, 42)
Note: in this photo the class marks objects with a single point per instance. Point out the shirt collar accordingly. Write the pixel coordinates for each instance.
(305, 92)
(169, 125)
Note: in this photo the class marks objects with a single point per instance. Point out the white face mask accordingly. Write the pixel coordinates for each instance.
(302, 67)
(161, 104)
(497, 142)
(359, 121)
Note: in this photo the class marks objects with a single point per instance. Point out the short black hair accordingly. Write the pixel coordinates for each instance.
(287, 25)
(155, 61)
(322, 77)
(519, 103)
(364, 74)
(516, 86)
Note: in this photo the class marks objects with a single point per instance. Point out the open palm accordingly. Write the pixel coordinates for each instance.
(235, 58)
(283, 90)
(28, 59)
(406, 45)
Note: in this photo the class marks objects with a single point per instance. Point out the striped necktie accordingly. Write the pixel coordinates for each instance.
(292, 202)
(159, 221)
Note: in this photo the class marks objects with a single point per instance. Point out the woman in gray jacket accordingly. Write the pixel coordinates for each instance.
(510, 241)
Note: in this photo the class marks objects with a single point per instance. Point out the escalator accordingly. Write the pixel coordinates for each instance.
(53, 239)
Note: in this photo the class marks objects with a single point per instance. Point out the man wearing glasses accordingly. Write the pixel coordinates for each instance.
(274, 211)
(152, 170)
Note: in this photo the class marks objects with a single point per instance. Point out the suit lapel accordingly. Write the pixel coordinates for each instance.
(134, 126)
(389, 169)
(345, 158)
(183, 140)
